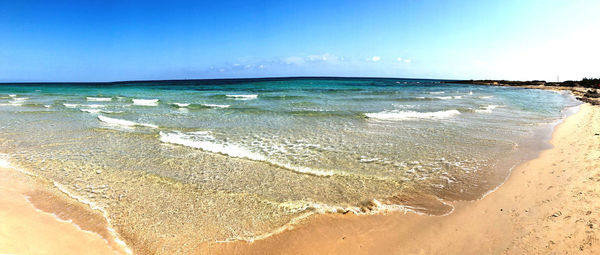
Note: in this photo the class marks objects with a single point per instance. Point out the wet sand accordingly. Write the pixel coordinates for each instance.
(548, 205)
(27, 229)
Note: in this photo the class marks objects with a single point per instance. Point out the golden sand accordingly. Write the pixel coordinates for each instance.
(549, 205)
(25, 229)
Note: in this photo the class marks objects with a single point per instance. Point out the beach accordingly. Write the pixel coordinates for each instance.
(548, 205)
(364, 166)
(27, 229)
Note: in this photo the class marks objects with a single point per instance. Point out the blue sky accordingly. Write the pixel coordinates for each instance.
(131, 40)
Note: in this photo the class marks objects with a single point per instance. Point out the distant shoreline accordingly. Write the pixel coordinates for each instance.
(586, 90)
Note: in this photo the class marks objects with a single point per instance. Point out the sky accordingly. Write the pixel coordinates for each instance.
(146, 40)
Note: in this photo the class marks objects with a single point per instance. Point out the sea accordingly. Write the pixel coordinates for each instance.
(242, 159)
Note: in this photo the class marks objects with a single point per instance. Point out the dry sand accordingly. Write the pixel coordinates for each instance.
(549, 205)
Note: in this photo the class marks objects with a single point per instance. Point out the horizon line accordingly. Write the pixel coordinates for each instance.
(221, 79)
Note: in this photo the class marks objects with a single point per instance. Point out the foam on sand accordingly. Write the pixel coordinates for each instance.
(124, 123)
(145, 102)
(412, 115)
(99, 99)
(243, 97)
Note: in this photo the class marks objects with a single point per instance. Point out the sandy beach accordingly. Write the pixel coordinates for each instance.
(549, 205)
(26, 228)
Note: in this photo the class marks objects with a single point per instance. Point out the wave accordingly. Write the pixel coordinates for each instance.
(243, 97)
(99, 99)
(486, 97)
(124, 123)
(93, 105)
(98, 111)
(12, 95)
(200, 106)
(145, 102)
(216, 105)
(205, 141)
(437, 92)
(449, 97)
(91, 110)
(411, 115)
(70, 105)
(487, 109)
(181, 105)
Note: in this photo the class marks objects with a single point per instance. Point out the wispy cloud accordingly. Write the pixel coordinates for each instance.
(375, 58)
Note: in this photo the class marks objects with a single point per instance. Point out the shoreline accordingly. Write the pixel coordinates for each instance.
(330, 233)
(29, 226)
(517, 217)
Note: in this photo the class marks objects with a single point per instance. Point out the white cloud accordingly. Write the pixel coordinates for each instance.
(375, 58)
(399, 59)
(407, 61)
(293, 60)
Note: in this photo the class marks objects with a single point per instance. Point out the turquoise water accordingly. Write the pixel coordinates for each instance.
(240, 159)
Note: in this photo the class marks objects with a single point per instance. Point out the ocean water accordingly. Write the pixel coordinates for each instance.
(221, 160)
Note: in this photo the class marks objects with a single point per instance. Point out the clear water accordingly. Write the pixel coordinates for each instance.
(196, 161)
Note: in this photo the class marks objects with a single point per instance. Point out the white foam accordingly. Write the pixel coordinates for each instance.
(90, 110)
(243, 97)
(12, 95)
(437, 92)
(93, 105)
(205, 141)
(145, 102)
(125, 123)
(70, 105)
(449, 97)
(47, 105)
(411, 115)
(99, 99)
(487, 109)
(486, 97)
(216, 105)
(181, 104)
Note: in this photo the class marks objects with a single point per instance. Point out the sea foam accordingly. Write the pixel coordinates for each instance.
(411, 115)
(124, 123)
(205, 141)
(487, 109)
(243, 97)
(145, 102)
(181, 104)
(216, 105)
(99, 99)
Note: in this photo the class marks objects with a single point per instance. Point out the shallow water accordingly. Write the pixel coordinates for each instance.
(192, 161)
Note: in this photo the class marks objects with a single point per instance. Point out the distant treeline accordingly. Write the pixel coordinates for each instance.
(585, 82)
